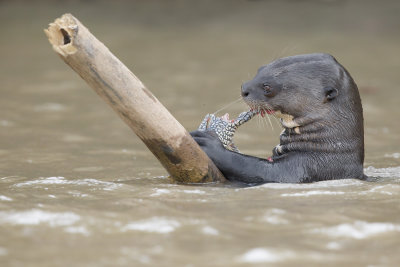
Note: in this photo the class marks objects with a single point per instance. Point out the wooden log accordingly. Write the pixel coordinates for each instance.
(135, 104)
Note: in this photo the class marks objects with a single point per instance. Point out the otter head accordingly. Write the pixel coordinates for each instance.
(303, 86)
(317, 101)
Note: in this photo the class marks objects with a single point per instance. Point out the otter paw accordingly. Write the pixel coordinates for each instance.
(209, 143)
(206, 138)
(278, 150)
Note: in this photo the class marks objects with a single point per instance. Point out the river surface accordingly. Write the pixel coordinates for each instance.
(78, 188)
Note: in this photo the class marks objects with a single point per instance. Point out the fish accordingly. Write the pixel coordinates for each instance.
(225, 128)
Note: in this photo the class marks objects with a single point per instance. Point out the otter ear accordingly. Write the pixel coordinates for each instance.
(330, 93)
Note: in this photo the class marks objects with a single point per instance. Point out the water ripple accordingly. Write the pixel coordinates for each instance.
(62, 181)
(36, 216)
(358, 229)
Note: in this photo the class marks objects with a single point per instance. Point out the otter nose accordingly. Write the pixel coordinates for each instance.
(245, 91)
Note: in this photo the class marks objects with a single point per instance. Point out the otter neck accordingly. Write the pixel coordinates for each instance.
(314, 134)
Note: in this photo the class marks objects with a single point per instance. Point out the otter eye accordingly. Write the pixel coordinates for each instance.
(267, 89)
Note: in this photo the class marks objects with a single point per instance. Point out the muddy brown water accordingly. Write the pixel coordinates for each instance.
(78, 188)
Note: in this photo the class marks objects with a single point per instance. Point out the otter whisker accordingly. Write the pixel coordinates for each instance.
(263, 113)
(228, 105)
(260, 118)
(268, 126)
(276, 120)
(260, 122)
(270, 123)
(273, 116)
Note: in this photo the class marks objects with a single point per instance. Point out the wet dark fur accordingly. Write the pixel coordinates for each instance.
(325, 139)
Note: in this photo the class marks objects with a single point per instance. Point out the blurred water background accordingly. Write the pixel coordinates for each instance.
(78, 188)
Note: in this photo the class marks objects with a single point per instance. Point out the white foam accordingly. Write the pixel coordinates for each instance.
(77, 230)
(59, 180)
(263, 255)
(3, 251)
(393, 155)
(358, 229)
(388, 189)
(4, 198)
(275, 220)
(196, 191)
(153, 225)
(208, 230)
(316, 185)
(160, 191)
(36, 217)
(383, 172)
(333, 245)
(274, 216)
(6, 123)
(312, 193)
(77, 194)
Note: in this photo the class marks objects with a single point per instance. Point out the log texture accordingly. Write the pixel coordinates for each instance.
(166, 138)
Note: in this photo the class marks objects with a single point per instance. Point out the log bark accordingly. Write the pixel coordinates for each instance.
(166, 138)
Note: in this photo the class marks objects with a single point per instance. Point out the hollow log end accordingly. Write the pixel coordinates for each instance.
(61, 34)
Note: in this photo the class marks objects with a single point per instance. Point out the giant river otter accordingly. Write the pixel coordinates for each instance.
(320, 110)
